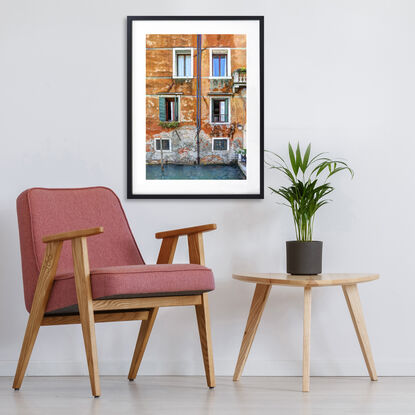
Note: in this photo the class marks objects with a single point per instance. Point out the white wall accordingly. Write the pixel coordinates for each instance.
(338, 73)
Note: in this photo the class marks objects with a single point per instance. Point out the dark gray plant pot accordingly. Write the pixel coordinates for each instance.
(304, 258)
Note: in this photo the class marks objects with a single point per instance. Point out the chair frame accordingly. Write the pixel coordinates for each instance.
(109, 310)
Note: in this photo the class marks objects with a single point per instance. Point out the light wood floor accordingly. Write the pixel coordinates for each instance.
(189, 395)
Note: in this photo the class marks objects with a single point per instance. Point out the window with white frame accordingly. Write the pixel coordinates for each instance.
(169, 108)
(165, 142)
(220, 144)
(220, 63)
(219, 110)
(183, 63)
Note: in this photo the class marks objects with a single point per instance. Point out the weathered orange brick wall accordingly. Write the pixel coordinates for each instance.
(223, 41)
(171, 41)
(159, 81)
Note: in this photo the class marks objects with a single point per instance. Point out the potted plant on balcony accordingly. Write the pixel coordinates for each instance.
(305, 195)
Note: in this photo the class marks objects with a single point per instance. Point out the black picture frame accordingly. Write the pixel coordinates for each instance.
(130, 194)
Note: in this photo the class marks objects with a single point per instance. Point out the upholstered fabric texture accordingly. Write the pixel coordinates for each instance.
(117, 267)
(135, 281)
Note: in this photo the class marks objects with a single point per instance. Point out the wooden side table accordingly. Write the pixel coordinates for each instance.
(264, 282)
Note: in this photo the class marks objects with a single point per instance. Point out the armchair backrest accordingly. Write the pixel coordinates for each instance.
(43, 212)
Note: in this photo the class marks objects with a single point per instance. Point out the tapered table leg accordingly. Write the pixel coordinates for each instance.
(255, 313)
(306, 339)
(351, 294)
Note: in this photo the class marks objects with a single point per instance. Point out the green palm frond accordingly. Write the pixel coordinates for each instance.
(307, 195)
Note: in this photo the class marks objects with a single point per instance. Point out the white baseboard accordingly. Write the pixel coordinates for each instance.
(222, 368)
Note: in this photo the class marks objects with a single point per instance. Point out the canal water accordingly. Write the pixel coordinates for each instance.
(194, 172)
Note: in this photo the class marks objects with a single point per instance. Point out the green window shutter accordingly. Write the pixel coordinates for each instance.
(176, 109)
(162, 108)
(227, 103)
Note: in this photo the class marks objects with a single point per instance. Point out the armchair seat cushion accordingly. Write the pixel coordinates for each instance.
(131, 281)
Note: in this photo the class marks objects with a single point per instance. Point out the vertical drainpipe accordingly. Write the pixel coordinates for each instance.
(198, 93)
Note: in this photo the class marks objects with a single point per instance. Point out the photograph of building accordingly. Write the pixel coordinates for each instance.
(196, 106)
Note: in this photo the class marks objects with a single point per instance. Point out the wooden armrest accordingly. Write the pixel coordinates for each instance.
(194, 239)
(186, 231)
(73, 234)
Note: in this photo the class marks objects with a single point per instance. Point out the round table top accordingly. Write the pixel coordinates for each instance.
(319, 280)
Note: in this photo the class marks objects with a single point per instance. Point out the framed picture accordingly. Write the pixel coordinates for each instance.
(195, 107)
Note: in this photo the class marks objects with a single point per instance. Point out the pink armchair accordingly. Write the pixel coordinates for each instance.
(105, 279)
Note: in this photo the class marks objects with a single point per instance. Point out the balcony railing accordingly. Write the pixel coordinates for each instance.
(239, 80)
(239, 77)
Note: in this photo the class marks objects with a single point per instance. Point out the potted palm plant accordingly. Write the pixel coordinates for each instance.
(305, 195)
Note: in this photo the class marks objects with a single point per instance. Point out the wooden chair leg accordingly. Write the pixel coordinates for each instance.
(203, 323)
(166, 255)
(86, 310)
(142, 340)
(351, 294)
(255, 313)
(40, 301)
(306, 339)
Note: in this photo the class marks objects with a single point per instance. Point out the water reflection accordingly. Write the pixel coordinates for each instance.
(194, 172)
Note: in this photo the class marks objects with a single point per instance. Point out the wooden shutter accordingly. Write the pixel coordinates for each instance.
(176, 109)
(227, 103)
(162, 108)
